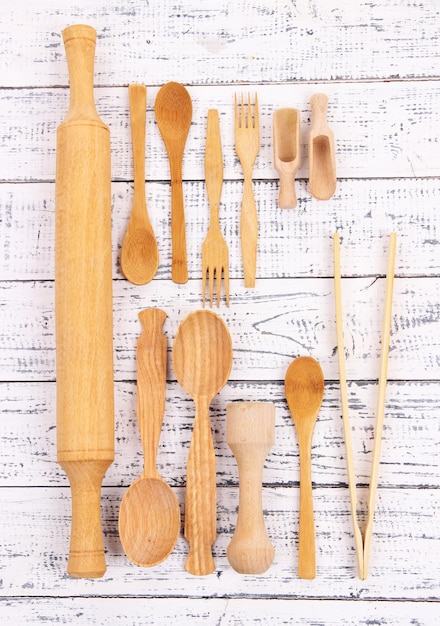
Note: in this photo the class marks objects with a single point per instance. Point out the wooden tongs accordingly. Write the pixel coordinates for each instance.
(363, 543)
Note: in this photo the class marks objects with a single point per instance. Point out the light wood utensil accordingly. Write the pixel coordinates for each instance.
(322, 161)
(287, 159)
(363, 544)
(149, 517)
(139, 254)
(304, 386)
(83, 305)
(202, 360)
(215, 255)
(173, 110)
(247, 145)
(250, 433)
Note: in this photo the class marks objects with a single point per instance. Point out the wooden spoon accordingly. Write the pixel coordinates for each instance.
(322, 164)
(173, 110)
(149, 517)
(304, 386)
(250, 433)
(286, 144)
(139, 254)
(202, 360)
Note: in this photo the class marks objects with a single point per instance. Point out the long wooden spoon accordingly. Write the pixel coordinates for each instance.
(139, 254)
(149, 517)
(304, 386)
(202, 360)
(286, 142)
(173, 110)
(322, 163)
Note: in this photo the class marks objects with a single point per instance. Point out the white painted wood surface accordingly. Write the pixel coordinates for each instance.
(378, 63)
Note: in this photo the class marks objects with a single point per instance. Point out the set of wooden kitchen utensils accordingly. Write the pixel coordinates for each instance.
(149, 518)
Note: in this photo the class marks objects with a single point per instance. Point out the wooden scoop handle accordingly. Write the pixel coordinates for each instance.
(250, 433)
(200, 505)
(151, 385)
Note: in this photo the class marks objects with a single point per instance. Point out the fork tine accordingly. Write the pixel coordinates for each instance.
(249, 123)
(237, 119)
(219, 286)
(256, 118)
(203, 286)
(211, 285)
(226, 277)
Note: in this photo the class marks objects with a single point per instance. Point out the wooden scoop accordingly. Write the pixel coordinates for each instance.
(173, 110)
(149, 517)
(202, 360)
(322, 163)
(139, 254)
(286, 144)
(304, 385)
(250, 433)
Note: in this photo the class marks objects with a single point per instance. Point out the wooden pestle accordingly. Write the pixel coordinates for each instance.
(83, 305)
(250, 433)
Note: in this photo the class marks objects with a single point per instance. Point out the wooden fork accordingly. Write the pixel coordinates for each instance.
(215, 255)
(247, 145)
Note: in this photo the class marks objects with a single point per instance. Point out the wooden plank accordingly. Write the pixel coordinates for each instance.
(288, 318)
(381, 130)
(243, 41)
(404, 560)
(225, 611)
(292, 244)
(409, 445)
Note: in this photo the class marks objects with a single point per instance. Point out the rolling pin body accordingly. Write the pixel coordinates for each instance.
(83, 305)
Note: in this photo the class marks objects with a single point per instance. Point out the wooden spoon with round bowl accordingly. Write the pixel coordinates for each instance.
(202, 360)
(304, 387)
(149, 517)
(139, 254)
(173, 110)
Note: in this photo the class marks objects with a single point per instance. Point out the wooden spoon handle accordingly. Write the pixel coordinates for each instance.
(151, 385)
(200, 506)
(306, 551)
(179, 266)
(213, 165)
(138, 102)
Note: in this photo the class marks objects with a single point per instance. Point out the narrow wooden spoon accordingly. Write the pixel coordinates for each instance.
(286, 144)
(139, 254)
(202, 360)
(149, 517)
(173, 110)
(304, 386)
(322, 164)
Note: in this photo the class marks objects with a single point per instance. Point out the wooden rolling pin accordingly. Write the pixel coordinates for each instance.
(83, 305)
(250, 433)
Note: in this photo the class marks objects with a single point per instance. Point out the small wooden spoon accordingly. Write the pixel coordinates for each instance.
(286, 144)
(322, 163)
(139, 254)
(202, 360)
(304, 386)
(173, 110)
(149, 517)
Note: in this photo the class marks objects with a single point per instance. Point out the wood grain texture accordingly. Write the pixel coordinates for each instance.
(381, 129)
(378, 64)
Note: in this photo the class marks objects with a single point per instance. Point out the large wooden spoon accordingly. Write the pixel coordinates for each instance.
(202, 360)
(139, 254)
(149, 517)
(173, 110)
(304, 386)
(286, 145)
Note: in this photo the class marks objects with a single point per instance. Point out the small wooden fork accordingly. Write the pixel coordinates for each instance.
(247, 145)
(215, 255)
